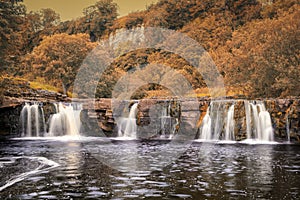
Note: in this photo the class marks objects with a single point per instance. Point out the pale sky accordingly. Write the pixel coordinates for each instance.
(69, 9)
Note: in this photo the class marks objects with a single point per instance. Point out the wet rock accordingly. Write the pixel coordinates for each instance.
(9, 119)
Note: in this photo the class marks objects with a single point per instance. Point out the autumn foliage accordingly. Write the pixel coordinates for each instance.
(254, 43)
(58, 58)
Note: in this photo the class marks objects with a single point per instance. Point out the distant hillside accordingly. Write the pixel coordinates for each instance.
(255, 44)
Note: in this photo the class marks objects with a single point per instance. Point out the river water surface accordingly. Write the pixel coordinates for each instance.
(94, 168)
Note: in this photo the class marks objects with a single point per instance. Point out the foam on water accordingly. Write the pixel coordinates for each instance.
(65, 138)
(255, 141)
(247, 141)
(226, 142)
(122, 138)
(205, 141)
(45, 165)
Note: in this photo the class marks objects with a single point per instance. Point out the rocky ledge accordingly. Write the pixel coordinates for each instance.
(285, 114)
(101, 115)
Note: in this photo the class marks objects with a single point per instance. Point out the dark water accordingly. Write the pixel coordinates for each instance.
(101, 169)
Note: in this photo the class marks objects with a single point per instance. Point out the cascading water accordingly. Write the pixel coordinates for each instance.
(169, 119)
(66, 121)
(166, 122)
(217, 118)
(248, 118)
(229, 131)
(288, 124)
(218, 123)
(32, 120)
(259, 124)
(266, 133)
(206, 127)
(127, 126)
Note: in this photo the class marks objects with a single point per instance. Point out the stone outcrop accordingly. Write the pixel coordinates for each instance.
(9, 119)
(285, 114)
(97, 117)
(19, 90)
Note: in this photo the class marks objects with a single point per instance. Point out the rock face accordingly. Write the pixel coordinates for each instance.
(97, 118)
(20, 90)
(9, 119)
(34, 95)
(285, 114)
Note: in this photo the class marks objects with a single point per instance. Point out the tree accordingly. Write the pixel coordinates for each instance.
(11, 19)
(42, 19)
(37, 25)
(97, 18)
(58, 58)
(272, 8)
(211, 32)
(49, 17)
(265, 55)
(243, 11)
(34, 23)
(130, 21)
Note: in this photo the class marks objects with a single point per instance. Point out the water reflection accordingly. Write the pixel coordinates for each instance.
(259, 170)
(71, 161)
(204, 171)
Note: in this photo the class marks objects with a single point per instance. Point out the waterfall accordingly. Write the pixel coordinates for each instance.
(266, 132)
(25, 119)
(32, 120)
(248, 118)
(256, 128)
(166, 129)
(165, 116)
(261, 123)
(229, 131)
(56, 107)
(206, 127)
(218, 123)
(127, 126)
(217, 119)
(66, 121)
(288, 124)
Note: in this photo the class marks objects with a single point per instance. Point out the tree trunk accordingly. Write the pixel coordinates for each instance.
(64, 88)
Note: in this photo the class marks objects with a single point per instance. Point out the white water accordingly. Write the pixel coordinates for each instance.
(229, 130)
(44, 165)
(218, 122)
(32, 120)
(260, 123)
(217, 117)
(165, 120)
(66, 121)
(248, 118)
(166, 128)
(266, 132)
(206, 128)
(127, 127)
